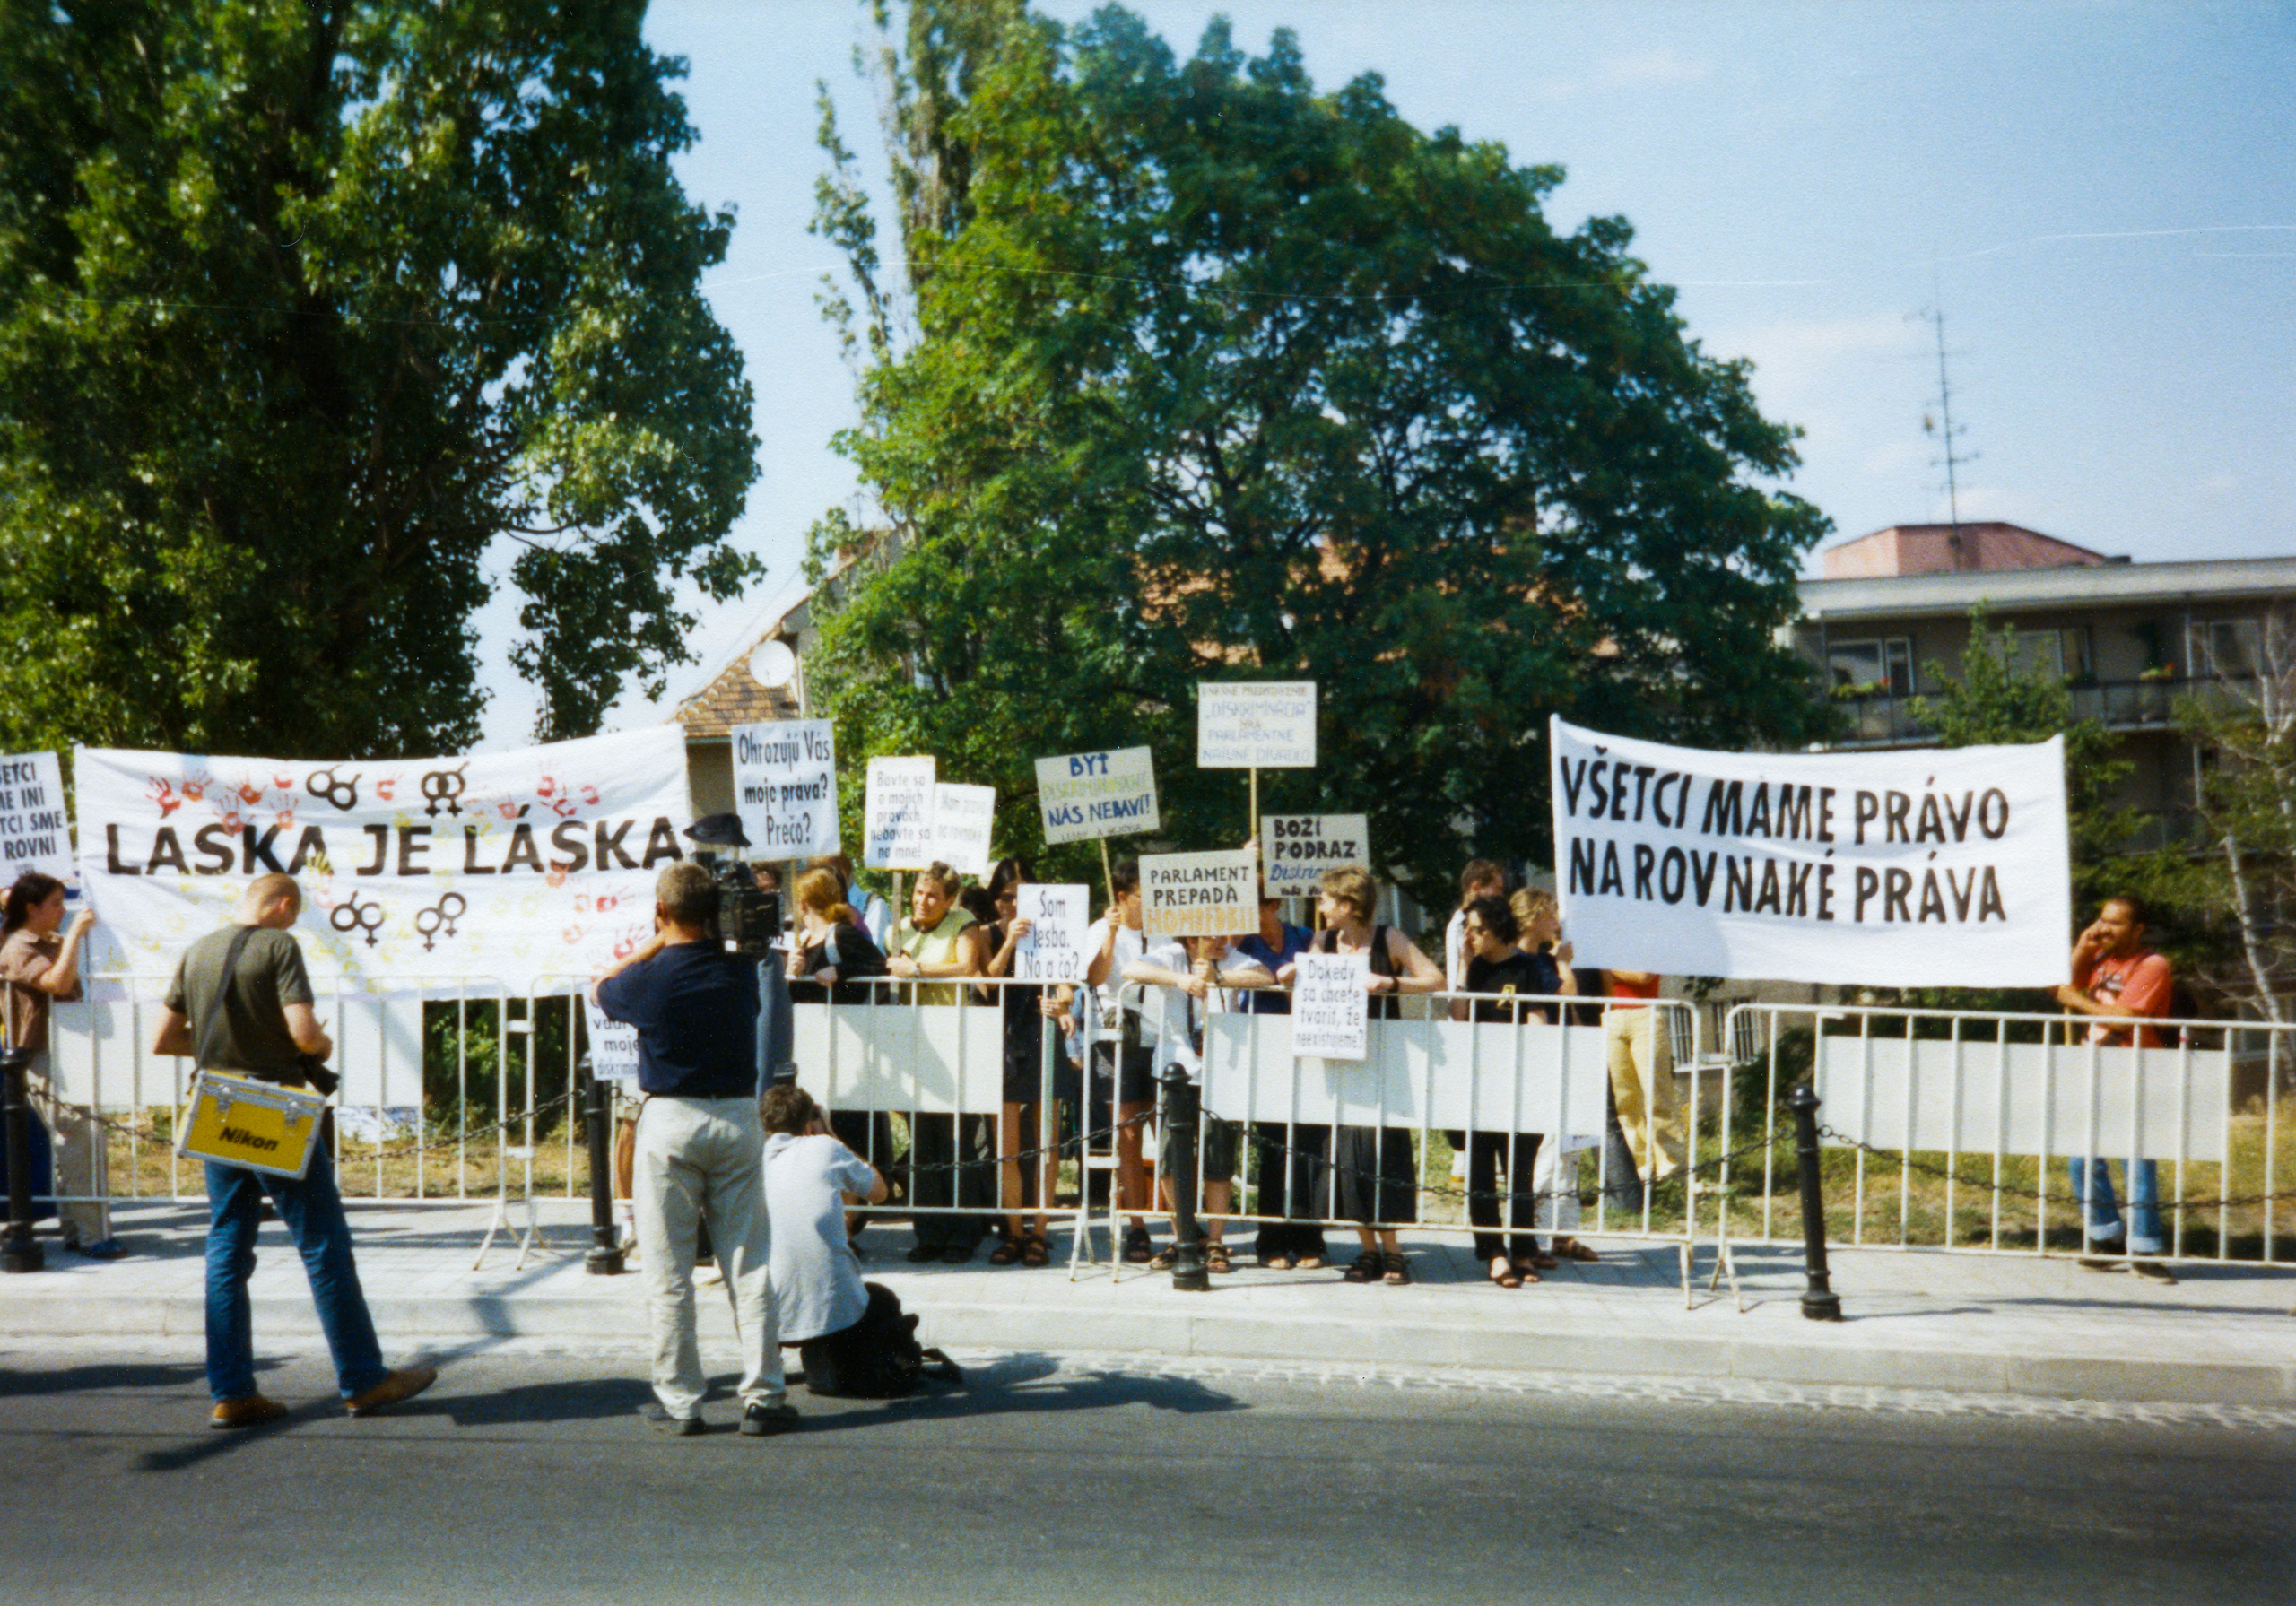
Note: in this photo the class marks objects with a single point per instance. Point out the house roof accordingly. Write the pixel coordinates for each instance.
(1931, 548)
(2083, 587)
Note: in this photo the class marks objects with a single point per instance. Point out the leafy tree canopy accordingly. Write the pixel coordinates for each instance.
(1189, 371)
(302, 307)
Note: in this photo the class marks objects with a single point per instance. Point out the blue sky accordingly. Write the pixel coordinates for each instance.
(2101, 197)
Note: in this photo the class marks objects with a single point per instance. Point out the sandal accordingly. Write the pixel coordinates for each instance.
(1165, 1259)
(1215, 1257)
(1397, 1270)
(1504, 1275)
(1137, 1247)
(1541, 1263)
(1006, 1253)
(1276, 1263)
(1035, 1251)
(1365, 1267)
(1572, 1249)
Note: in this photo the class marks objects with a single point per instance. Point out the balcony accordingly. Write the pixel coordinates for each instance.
(1886, 720)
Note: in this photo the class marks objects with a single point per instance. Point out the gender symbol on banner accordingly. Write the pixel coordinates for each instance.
(439, 919)
(350, 915)
(444, 786)
(343, 795)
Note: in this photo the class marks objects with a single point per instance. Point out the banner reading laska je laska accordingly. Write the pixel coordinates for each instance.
(498, 866)
(1942, 867)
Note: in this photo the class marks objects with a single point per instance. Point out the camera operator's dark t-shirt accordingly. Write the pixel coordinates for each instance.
(695, 1009)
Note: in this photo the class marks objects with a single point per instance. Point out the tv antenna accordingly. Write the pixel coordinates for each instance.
(1948, 434)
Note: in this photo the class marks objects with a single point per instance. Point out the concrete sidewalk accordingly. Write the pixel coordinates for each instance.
(1989, 1325)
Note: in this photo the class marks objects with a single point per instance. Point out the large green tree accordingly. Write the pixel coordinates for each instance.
(1185, 371)
(311, 311)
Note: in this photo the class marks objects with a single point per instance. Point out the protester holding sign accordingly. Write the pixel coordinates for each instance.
(940, 942)
(1025, 1010)
(1500, 973)
(1375, 1175)
(40, 966)
(1123, 1066)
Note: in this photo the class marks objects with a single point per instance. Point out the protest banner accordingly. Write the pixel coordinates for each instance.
(785, 787)
(1256, 725)
(1199, 894)
(1926, 867)
(503, 867)
(897, 810)
(613, 1046)
(1084, 796)
(1058, 916)
(963, 817)
(1328, 1006)
(34, 832)
(1295, 849)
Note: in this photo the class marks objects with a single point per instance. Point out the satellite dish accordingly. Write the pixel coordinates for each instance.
(773, 665)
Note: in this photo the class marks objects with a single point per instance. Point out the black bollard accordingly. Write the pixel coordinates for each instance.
(605, 1256)
(18, 1250)
(1179, 1124)
(1820, 1303)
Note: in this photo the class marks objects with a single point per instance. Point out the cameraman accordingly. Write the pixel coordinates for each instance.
(700, 1149)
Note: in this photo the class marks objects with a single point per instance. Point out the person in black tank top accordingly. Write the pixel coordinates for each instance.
(1374, 1169)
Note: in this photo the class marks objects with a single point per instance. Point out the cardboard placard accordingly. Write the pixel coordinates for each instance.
(963, 818)
(1256, 725)
(1058, 917)
(1328, 1006)
(898, 814)
(1199, 894)
(1086, 795)
(785, 787)
(1296, 849)
(34, 834)
(613, 1046)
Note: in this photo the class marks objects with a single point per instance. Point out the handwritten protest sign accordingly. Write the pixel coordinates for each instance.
(1328, 1005)
(1930, 867)
(897, 810)
(613, 1046)
(1084, 796)
(785, 787)
(1297, 848)
(1199, 894)
(34, 834)
(1058, 916)
(963, 817)
(1256, 725)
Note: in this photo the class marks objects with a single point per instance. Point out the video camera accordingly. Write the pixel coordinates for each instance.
(749, 917)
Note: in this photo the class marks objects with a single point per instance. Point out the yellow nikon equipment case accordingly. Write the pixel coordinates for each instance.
(258, 1124)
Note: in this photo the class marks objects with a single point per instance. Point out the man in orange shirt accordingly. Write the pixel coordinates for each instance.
(2116, 979)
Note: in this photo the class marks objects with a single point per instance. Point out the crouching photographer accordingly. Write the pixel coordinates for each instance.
(851, 1335)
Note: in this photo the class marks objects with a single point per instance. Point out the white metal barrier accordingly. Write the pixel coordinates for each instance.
(1958, 1129)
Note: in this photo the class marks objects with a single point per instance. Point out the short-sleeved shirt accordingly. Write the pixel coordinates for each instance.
(1130, 945)
(2140, 984)
(239, 1023)
(1517, 975)
(817, 1286)
(695, 1008)
(24, 958)
(1272, 958)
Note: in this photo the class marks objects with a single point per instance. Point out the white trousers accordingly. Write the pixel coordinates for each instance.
(697, 1155)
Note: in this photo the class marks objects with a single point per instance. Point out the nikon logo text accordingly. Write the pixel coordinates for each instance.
(245, 1139)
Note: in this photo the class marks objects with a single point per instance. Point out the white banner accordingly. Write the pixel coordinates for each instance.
(1256, 725)
(1296, 849)
(963, 817)
(1084, 796)
(785, 787)
(898, 810)
(1926, 867)
(34, 832)
(500, 866)
(1328, 1006)
(613, 1046)
(1058, 916)
(1199, 894)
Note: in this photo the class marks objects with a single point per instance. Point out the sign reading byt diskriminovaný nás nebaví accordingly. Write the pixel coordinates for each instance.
(1084, 796)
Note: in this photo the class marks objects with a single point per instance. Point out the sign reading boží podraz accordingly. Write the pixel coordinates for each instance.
(1926, 867)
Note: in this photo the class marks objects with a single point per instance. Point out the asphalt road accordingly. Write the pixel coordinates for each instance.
(527, 1476)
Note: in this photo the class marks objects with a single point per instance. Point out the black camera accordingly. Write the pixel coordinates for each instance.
(749, 917)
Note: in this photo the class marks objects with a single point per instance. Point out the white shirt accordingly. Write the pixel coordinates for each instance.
(817, 1286)
(1455, 952)
(1130, 945)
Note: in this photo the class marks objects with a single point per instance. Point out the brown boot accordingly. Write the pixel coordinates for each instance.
(250, 1412)
(402, 1384)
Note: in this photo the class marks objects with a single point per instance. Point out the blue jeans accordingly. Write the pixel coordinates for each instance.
(2145, 1235)
(312, 1210)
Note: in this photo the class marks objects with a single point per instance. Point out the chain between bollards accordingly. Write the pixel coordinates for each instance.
(18, 1250)
(1180, 1121)
(605, 1258)
(1820, 1303)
